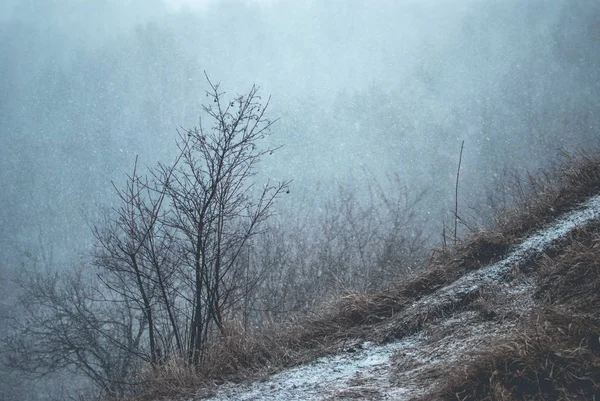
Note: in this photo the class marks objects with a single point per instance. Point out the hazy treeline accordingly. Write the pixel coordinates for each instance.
(373, 99)
(190, 253)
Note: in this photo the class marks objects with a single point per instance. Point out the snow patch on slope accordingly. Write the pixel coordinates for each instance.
(323, 377)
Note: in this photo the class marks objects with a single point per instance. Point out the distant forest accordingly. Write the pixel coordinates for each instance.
(153, 198)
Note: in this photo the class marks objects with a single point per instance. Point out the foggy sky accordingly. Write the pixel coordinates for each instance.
(362, 89)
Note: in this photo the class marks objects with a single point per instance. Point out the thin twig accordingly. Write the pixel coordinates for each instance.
(456, 193)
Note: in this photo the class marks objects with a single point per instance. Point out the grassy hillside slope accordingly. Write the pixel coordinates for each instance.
(491, 326)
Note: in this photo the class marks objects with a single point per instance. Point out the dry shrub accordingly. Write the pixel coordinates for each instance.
(361, 309)
(174, 376)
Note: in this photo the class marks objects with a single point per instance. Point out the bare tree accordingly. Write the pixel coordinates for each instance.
(215, 207)
(173, 247)
(138, 260)
(174, 259)
(65, 324)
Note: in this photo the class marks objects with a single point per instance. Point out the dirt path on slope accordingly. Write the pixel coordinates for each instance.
(407, 368)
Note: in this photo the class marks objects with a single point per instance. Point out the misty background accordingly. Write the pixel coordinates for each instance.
(368, 94)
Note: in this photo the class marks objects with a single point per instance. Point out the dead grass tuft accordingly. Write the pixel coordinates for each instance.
(236, 356)
(552, 193)
(174, 376)
(555, 357)
(361, 309)
(555, 353)
(572, 279)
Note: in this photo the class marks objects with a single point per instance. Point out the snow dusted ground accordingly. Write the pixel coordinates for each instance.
(406, 368)
(324, 377)
(399, 370)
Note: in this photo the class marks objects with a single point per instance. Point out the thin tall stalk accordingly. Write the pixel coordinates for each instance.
(456, 193)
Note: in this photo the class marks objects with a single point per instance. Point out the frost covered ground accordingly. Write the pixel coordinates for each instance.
(406, 368)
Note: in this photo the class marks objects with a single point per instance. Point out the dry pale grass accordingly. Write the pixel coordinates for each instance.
(552, 193)
(572, 279)
(174, 376)
(555, 357)
(555, 354)
(236, 356)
